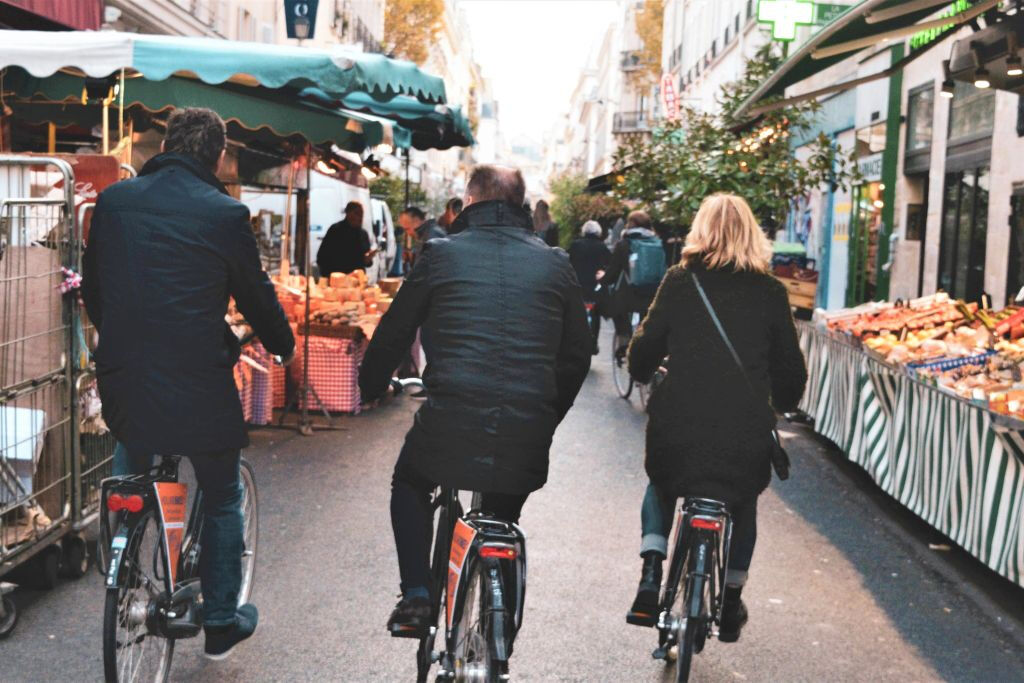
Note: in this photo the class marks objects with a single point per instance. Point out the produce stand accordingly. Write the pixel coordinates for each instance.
(956, 462)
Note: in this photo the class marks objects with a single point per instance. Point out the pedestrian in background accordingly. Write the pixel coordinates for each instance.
(346, 246)
(709, 433)
(629, 294)
(545, 228)
(589, 255)
(451, 211)
(418, 231)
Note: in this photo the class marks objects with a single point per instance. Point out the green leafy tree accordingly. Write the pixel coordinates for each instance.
(392, 190)
(699, 154)
(411, 27)
(571, 207)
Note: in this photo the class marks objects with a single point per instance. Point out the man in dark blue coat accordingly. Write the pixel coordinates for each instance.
(166, 251)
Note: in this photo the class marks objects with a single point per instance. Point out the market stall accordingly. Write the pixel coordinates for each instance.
(927, 397)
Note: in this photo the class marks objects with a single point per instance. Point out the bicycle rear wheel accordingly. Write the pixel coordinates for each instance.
(692, 630)
(471, 655)
(620, 370)
(130, 651)
(250, 530)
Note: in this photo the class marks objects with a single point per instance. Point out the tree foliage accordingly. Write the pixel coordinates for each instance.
(392, 190)
(411, 27)
(684, 161)
(649, 20)
(571, 207)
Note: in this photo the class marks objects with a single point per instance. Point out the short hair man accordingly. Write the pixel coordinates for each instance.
(508, 347)
(346, 246)
(166, 251)
(451, 211)
(418, 230)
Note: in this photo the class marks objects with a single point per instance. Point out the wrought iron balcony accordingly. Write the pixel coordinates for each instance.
(631, 60)
(631, 122)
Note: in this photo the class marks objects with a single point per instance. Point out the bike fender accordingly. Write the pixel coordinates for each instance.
(117, 547)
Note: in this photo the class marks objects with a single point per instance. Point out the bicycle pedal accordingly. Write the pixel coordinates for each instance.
(660, 653)
(416, 632)
(641, 619)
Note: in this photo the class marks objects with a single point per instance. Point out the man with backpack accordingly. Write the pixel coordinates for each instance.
(636, 268)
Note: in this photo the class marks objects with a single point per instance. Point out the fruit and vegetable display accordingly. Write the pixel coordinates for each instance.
(973, 352)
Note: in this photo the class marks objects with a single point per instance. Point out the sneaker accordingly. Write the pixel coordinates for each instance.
(221, 640)
(410, 618)
(734, 616)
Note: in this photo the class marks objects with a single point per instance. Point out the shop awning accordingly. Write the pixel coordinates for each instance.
(433, 126)
(869, 23)
(58, 99)
(99, 54)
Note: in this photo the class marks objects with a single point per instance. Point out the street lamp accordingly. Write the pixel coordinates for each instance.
(301, 27)
(948, 86)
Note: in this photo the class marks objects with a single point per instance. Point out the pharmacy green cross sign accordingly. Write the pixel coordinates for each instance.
(785, 16)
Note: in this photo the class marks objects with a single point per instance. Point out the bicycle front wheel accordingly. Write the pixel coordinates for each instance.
(250, 530)
(471, 654)
(620, 370)
(131, 653)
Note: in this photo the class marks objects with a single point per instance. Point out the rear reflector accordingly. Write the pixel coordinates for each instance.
(710, 524)
(117, 502)
(498, 553)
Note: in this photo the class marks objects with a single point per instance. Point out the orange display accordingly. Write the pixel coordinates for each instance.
(462, 539)
(172, 498)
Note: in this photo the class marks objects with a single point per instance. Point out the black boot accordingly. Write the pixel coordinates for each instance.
(644, 611)
(734, 615)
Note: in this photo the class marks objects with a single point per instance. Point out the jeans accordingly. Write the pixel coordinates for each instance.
(220, 565)
(412, 520)
(658, 511)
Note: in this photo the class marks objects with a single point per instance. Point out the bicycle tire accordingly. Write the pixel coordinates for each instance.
(696, 610)
(116, 612)
(250, 529)
(471, 637)
(438, 571)
(620, 370)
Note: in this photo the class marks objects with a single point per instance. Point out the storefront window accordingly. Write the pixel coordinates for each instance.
(864, 233)
(920, 111)
(964, 234)
(871, 139)
(971, 112)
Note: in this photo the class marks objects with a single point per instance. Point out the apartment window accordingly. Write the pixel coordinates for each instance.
(714, 48)
(920, 112)
(971, 112)
(750, 9)
(726, 41)
(736, 24)
(871, 139)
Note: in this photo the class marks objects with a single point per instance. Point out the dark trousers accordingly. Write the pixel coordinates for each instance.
(623, 325)
(220, 565)
(658, 513)
(412, 520)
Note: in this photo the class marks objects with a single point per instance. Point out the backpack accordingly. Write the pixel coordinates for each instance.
(646, 262)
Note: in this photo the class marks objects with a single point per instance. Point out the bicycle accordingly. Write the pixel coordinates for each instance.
(153, 594)
(700, 555)
(624, 384)
(478, 575)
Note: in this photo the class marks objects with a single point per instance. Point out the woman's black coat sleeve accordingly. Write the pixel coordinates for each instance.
(253, 291)
(650, 341)
(787, 369)
(397, 329)
(618, 261)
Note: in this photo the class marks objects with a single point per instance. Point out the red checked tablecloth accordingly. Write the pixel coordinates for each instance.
(333, 372)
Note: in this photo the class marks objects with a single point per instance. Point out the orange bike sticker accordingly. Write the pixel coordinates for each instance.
(462, 538)
(172, 498)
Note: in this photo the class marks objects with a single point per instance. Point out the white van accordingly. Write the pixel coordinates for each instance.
(384, 232)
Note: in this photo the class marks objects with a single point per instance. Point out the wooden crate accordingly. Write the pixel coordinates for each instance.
(801, 292)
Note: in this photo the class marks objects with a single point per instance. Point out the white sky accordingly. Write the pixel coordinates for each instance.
(532, 51)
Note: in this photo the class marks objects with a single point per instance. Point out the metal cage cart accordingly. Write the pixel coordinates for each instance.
(43, 505)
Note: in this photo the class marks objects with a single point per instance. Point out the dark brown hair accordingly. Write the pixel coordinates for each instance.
(496, 182)
(198, 133)
(639, 219)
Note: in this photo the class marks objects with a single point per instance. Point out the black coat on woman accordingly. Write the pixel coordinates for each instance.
(708, 435)
(588, 255)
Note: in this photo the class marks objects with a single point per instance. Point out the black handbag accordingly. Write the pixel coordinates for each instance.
(779, 456)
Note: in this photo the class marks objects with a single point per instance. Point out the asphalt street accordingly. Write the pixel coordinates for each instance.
(844, 585)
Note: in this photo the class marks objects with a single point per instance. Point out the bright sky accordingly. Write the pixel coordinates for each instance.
(532, 51)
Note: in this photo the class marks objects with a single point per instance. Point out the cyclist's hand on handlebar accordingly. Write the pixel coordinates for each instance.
(285, 360)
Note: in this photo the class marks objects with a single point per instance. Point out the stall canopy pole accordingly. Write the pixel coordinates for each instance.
(406, 179)
(286, 229)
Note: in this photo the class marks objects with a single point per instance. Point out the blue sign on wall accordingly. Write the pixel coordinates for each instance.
(300, 18)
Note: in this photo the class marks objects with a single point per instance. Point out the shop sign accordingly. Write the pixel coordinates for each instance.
(871, 167)
(826, 12)
(924, 38)
(785, 16)
(300, 18)
(669, 98)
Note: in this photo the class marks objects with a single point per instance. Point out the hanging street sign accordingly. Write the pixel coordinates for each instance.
(785, 16)
(669, 98)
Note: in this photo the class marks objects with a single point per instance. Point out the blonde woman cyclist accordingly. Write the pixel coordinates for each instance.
(708, 435)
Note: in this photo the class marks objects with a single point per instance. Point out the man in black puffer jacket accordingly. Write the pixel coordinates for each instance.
(508, 349)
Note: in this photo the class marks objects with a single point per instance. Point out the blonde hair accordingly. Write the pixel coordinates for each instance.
(726, 234)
